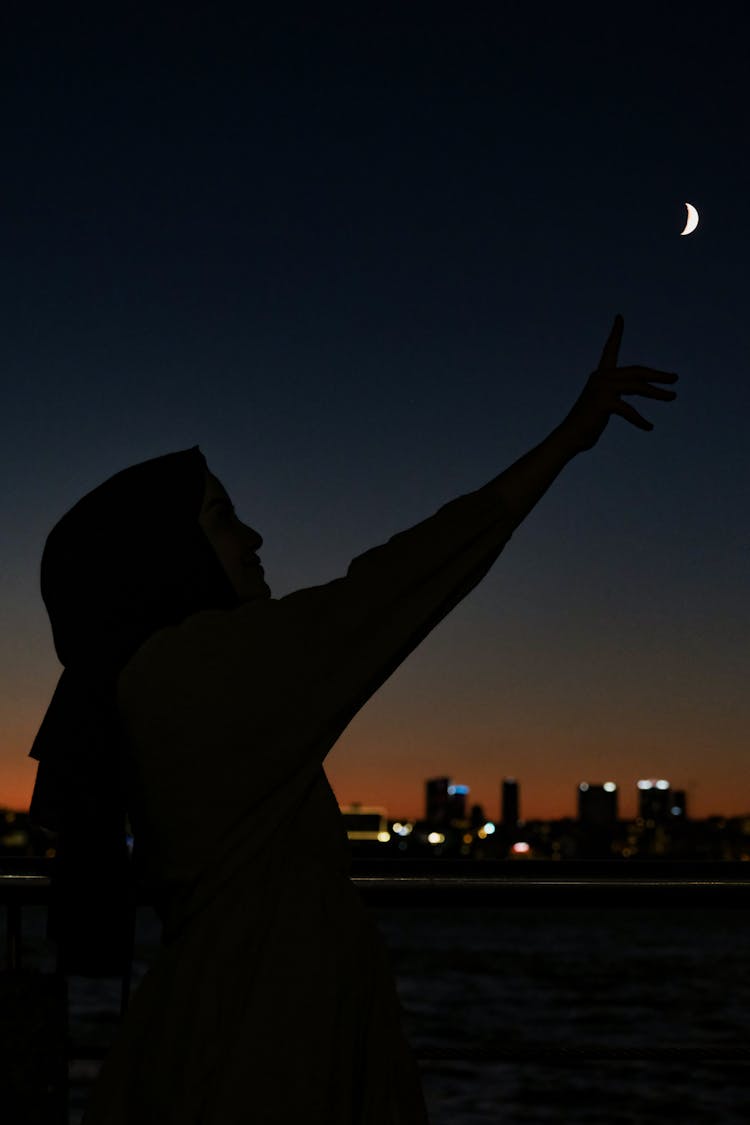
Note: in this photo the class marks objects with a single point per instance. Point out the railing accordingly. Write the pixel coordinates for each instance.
(548, 884)
(466, 884)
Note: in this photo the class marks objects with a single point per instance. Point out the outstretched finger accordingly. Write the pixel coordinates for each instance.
(612, 347)
(636, 371)
(645, 390)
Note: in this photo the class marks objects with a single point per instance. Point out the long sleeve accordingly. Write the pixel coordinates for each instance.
(356, 631)
(291, 673)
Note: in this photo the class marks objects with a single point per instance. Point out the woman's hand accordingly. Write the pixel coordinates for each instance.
(600, 398)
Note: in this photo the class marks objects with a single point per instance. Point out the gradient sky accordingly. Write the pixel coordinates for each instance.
(365, 265)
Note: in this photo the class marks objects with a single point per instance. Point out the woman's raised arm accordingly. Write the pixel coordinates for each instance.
(393, 595)
(293, 672)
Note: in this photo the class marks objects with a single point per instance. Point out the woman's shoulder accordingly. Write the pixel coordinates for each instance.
(221, 657)
(171, 654)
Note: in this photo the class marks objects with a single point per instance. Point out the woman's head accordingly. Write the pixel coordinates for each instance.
(132, 556)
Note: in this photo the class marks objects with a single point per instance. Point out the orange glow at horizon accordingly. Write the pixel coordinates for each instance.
(400, 739)
(407, 799)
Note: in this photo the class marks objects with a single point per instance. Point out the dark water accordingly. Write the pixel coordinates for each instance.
(490, 979)
(634, 979)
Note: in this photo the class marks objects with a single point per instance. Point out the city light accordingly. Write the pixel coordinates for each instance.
(660, 828)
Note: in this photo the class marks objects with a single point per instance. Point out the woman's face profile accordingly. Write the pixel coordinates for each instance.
(233, 541)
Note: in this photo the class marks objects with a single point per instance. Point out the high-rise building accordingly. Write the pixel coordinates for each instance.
(655, 799)
(509, 802)
(597, 804)
(457, 795)
(445, 801)
(437, 809)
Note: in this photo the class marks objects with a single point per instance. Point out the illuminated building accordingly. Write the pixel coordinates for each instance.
(597, 804)
(366, 823)
(445, 801)
(457, 795)
(655, 799)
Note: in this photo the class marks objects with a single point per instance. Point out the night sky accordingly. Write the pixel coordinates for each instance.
(366, 263)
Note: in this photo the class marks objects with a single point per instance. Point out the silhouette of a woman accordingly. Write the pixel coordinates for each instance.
(271, 999)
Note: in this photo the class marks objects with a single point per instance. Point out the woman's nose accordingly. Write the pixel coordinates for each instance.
(256, 539)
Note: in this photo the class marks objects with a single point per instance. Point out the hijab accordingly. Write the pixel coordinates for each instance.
(128, 559)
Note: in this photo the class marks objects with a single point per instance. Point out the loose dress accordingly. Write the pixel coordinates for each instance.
(272, 1000)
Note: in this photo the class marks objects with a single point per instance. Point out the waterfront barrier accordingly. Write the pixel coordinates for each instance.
(34, 1032)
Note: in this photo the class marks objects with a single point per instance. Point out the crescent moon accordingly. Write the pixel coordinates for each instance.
(692, 219)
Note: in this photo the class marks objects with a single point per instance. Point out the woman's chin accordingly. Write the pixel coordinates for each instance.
(255, 591)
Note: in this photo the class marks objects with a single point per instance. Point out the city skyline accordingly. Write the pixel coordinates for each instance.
(629, 810)
(566, 811)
